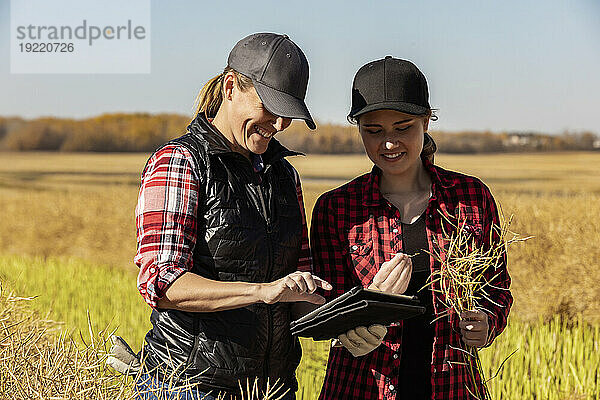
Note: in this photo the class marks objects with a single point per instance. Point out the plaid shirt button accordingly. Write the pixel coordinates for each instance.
(392, 387)
(395, 230)
(395, 356)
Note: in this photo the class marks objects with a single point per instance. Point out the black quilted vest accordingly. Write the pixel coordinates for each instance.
(249, 229)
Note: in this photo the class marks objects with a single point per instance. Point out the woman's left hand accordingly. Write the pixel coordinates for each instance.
(474, 328)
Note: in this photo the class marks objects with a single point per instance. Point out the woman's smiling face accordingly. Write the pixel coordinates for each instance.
(251, 124)
(393, 140)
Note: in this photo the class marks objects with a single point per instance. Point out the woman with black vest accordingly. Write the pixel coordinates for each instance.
(222, 239)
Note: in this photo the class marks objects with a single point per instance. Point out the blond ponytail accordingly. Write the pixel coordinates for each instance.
(210, 97)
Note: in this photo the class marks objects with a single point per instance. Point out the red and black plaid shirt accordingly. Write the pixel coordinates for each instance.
(166, 221)
(354, 230)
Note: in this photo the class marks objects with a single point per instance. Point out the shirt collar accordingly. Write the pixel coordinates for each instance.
(373, 196)
(439, 176)
(257, 162)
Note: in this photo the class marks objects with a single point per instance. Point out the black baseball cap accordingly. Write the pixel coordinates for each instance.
(389, 84)
(279, 72)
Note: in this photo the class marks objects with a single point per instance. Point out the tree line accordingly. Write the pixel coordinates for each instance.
(142, 132)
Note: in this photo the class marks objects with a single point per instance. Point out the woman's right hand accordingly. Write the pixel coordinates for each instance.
(297, 286)
(362, 340)
(394, 275)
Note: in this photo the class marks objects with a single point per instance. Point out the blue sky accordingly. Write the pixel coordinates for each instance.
(497, 65)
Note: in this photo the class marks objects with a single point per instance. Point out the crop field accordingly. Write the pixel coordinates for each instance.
(67, 235)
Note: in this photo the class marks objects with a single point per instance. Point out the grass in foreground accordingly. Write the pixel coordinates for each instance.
(556, 359)
(37, 361)
(66, 289)
(60, 209)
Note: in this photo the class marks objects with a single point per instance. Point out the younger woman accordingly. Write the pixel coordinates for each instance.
(363, 233)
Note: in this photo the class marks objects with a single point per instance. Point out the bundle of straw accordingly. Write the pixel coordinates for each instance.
(40, 360)
(467, 271)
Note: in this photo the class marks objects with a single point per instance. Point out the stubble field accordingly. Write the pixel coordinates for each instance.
(67, 235)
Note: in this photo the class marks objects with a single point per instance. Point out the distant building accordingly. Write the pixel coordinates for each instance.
(522, 139)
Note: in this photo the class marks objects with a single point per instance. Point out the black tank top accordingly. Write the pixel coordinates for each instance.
(417, 333)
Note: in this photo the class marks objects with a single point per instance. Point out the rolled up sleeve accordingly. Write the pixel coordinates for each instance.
(166, 221)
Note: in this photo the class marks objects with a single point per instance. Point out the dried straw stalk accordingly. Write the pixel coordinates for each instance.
(468, 269)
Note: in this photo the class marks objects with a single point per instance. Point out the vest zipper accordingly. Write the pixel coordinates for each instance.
(265, 212)
(191, 357)
(268, 278)
(269, 339)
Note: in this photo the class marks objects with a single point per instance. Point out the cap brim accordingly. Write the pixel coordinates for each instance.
(283, 104)
(407, 108)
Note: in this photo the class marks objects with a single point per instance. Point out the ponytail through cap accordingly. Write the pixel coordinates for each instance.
(210, 97)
